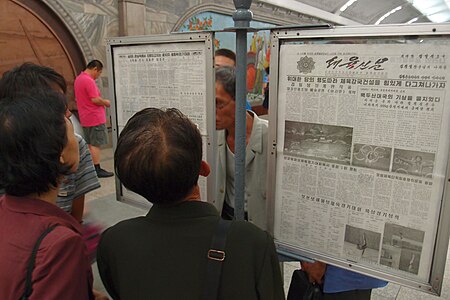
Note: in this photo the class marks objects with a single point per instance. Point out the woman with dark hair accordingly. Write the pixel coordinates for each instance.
(74, 186)
(37, 148)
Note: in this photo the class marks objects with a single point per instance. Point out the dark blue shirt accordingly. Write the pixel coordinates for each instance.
(341, 280)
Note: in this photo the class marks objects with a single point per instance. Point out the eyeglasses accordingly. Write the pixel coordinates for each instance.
(221, 105)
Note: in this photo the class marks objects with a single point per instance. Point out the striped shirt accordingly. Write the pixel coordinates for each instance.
(78, 184)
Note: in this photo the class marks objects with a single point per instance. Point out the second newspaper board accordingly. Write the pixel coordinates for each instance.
(362, 149)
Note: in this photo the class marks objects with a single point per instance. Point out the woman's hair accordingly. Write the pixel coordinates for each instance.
(33, 136)
(28, 76)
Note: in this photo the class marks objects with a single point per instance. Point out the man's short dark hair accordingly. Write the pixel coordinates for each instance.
(226, 76)
(28, 76)
(158, 155)
(95, 64)
(227, 53)
(33, 136)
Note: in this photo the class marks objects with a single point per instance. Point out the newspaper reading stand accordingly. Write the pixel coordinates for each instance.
(173, 70)
(359, 161)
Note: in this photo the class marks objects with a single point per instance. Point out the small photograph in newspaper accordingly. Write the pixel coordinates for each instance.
(402, 248)
(413, 163)
(318, 141)
(372, 156)
(362, 243)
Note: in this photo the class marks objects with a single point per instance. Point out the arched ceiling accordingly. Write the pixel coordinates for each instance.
(349, 12)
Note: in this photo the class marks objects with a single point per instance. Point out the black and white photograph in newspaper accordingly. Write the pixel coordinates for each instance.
(402, 248)
(360, 243)
(318, 141)
(371, 156)
(413, 163)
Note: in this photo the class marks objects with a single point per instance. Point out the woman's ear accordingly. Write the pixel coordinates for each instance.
(205, 169)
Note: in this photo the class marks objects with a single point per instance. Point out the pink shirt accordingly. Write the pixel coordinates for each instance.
(62, 269)
(86, 89)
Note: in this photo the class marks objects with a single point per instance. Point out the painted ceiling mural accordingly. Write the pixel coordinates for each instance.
(258, 50)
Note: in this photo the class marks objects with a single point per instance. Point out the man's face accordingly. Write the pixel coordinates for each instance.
(97, 72)
(221, 61)
(70, 154)
(58, 89)
(225, 108)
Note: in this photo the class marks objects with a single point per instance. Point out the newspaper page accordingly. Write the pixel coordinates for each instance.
(161, 75)
(363, 141)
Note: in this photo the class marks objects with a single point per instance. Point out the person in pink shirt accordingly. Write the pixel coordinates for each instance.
(91, 109)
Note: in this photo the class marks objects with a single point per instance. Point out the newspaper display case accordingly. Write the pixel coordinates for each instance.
(359, 136)
(163, 71)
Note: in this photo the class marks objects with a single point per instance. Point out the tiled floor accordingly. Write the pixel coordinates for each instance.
(103, 207)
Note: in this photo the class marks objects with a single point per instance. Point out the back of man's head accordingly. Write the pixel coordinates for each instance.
(33, 135)
(158, 155)
(28, 76)
(95, 64)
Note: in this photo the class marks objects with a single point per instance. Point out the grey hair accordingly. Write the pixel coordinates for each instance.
(226, 76)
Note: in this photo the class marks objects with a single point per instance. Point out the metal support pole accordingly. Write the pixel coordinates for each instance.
(242, 17)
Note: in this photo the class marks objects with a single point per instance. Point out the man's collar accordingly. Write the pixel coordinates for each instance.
(255, 142)
(182, 210)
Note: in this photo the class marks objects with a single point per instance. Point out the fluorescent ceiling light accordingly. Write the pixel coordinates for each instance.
(425, 4)
(436, 8)
(440, 17)
(346, 5)
(388, 14)
(412, 20)
(436, 11)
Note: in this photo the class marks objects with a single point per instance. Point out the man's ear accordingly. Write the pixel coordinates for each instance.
(205, 169)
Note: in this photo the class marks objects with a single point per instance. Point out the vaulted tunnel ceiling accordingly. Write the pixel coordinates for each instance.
(348, 12)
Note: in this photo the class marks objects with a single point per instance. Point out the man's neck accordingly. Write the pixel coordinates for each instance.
(194, 195)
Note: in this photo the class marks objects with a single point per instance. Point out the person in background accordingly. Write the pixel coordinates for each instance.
(163, 255)
(256, 153)
(226, 58)
(266, 90)
(38, 146)
(91, 109)
(73, 187)
(341, 284)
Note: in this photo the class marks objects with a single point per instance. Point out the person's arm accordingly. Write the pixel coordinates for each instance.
(99, 295)
(270, 283)
(78, 208)
(85, 179)
(315, 271)
(93, 93)
(101, 102)
(63, 269)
